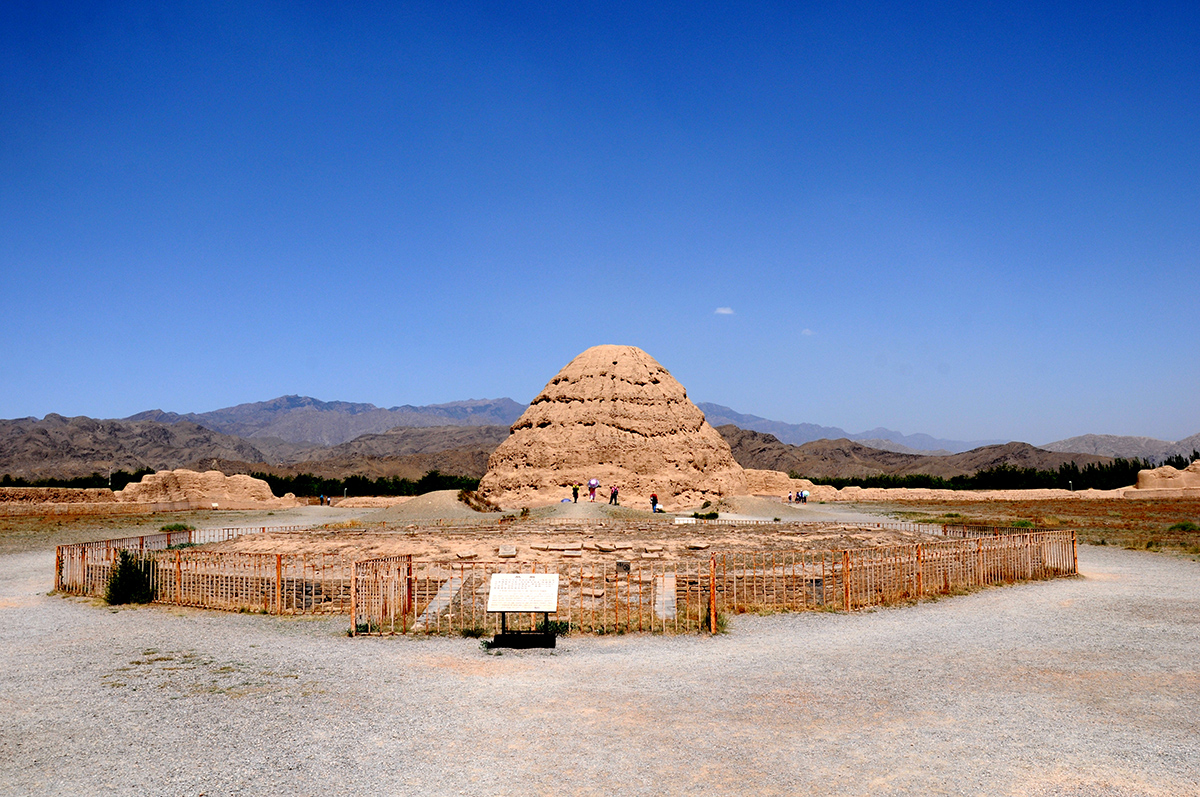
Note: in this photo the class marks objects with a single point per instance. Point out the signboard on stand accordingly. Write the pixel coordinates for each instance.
(523, 592)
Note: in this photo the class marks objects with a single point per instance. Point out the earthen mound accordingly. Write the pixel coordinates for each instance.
(613, 414)
(56, 495)
(1168, 478)
(437, 505)
(228, 492)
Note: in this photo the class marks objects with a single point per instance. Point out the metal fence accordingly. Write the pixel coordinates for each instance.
(399, 595)
(273, 583)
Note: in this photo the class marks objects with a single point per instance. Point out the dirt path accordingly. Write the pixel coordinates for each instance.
(1075, 687)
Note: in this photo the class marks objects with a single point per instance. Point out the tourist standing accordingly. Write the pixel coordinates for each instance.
(612, 495)
(653, 503)
(575, 493)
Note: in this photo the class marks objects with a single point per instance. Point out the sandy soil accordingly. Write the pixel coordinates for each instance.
(1075, 688)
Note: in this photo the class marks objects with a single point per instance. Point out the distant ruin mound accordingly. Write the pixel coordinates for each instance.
(1180, 483)
(614, 414)
(229, 492)
(56, 495)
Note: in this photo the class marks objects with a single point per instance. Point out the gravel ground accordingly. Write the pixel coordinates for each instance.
(1075, 687)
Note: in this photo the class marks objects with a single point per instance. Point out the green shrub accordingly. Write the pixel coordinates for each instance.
(722, 622)
(129, 581)
(556, 627)
(177, 527)
(1022, 524)
(705, 516)
(1186, 525)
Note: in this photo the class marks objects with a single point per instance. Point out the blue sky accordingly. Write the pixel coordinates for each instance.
(975, 221)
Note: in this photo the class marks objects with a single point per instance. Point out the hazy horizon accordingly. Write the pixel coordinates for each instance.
(741, 411)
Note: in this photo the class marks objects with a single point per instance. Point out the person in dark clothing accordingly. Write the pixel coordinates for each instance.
(575, 493)
(612, 495)
(653, 502)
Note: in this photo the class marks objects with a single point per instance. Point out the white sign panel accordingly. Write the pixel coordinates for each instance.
(523, 592)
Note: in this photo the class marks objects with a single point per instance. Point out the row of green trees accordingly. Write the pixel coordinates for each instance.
(306, 484)
(1119, 473)
(120, 479)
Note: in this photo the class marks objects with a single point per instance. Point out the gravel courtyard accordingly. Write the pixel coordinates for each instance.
(1081, 686)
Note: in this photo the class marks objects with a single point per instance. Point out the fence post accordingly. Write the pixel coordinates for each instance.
(846, 580)
(278, 583)
(353, 596)
(178, 579)
(1074, 554)
(712, 593)
(921, 569)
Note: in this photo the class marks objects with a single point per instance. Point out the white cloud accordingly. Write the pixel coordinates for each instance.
(807, 332)
(724, 311)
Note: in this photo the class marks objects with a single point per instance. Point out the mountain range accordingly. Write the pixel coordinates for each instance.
(845, 458)
(305, 420)
(293, 434)
(801, 433)
(1110, 445)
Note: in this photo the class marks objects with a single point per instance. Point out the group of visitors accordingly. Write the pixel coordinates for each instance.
(593, 485)
(801, 497)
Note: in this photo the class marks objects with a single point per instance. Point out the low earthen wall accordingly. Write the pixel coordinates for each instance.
(56, 495)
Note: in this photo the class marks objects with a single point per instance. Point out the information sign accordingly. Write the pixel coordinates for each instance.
(523, 592)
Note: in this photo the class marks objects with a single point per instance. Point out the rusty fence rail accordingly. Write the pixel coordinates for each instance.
(83, 568)
(971, 530)
(400, 595)
(228, 580)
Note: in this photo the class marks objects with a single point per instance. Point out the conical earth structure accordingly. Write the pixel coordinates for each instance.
(613, 414)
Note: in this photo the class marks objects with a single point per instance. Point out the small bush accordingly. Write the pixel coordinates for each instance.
(472, 633)
(177, 527)
(706, 515)
(722, 623)
(476, 501)
(556, 627)
(1022, 524)
(129, 581)
(1186, 525)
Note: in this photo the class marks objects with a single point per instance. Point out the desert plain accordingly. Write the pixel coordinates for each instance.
(1077, 686)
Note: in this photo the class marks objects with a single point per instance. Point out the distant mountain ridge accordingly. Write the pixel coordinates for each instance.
(800, 433)
(59, 447)
(303, 419)
(286, 434)
(845, 458)
(1111, 445)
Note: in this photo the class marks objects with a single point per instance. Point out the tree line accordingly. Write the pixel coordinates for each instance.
(119, 480)
(306, 484)
(1069, 476)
